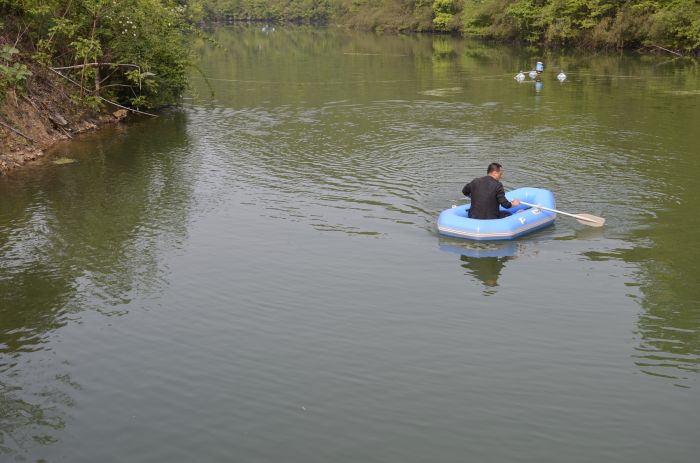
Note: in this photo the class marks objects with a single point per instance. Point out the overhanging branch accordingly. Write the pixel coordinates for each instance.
(101, 97)
(77, 66)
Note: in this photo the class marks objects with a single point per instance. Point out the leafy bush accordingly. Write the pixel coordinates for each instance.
(444, 11)
(593, 23)
(304, 11)
(12, 75)
(96, 43)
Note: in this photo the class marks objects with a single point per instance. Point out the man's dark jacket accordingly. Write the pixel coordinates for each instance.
(486, 194)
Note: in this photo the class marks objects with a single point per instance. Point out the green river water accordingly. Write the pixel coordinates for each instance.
(256, 276)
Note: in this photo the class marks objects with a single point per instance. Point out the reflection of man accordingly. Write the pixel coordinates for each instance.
(487, 193)
(486, 269)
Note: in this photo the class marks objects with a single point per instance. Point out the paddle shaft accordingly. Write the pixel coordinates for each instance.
(575, 216)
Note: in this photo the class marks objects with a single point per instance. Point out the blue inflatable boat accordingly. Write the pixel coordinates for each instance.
(524, 219)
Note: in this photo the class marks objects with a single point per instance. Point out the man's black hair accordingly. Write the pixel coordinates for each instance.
(494, 166)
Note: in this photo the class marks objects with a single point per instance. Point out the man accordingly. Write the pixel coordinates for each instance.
(487, 193)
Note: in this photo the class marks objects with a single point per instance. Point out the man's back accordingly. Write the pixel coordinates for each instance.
(486, 193)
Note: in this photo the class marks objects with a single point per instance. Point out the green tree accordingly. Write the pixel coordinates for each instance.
(444, 11)
(12, 74)
(99, 43)
(592, 23)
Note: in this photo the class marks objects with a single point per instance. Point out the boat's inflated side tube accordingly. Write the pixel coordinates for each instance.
(524, 219)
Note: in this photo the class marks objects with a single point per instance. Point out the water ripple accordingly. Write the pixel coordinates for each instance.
(401, 159)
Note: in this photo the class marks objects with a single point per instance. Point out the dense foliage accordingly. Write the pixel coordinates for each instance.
(306, 11)
(673, 24)
(132, 51)
(390, 15)
(593, 23)
(141, 49)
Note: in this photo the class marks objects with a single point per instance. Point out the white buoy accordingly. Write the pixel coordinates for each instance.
(520, 76)
(532, 74)
(561, 76)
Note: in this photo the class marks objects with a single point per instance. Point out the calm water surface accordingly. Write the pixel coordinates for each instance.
(256, 276)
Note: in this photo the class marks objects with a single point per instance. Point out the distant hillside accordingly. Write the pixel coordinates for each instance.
(593, 24)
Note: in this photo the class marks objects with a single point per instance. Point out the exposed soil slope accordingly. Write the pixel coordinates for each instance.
(33, 120)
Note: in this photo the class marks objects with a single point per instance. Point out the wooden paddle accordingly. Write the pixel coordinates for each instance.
(586, 219)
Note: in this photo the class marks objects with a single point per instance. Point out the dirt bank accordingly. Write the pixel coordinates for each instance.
(46, 112)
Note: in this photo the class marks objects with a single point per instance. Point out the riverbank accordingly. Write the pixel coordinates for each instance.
(31, 121)
(66, 67)
(651, 25)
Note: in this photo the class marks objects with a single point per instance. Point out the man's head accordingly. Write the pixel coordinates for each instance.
(495, 170)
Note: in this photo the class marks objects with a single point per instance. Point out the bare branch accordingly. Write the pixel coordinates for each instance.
(125, 107)
(31, 102)
(102, 98)
(96, 64)
(20, 34)
(666, 49)
(65, 132)
(117, 85)
(17, 131)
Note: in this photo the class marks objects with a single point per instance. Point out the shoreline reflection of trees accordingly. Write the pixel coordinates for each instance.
(85, 237)
(668, 328)
(23, 424)
(484, 261)
(663, 252)
(94, 226)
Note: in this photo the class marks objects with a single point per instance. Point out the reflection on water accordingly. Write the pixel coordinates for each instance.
(665, 256)
(25, 424)
(275, 247)
(669, 324)
(585, 233)
(483, 260)
(85, 235)
(669, 335)
(89, 230)
(486, 269)
(669, 261)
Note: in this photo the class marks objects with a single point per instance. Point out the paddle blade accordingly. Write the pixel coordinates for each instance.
(590, 220)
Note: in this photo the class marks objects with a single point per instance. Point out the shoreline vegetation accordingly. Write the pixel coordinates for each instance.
(67, 66)
(667, 25)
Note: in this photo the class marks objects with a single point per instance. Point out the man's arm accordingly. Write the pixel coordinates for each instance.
(501, 197)
(467, 190)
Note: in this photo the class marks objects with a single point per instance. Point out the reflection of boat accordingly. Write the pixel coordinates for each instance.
(455, 221)
(479, 250)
